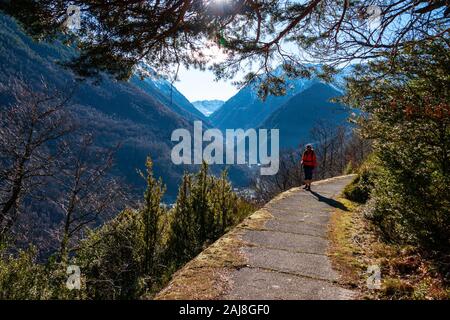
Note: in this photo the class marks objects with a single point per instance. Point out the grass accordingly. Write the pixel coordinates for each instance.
(206, 276)
(405, 272)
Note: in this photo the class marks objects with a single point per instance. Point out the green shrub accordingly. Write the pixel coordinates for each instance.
(408, 118)
(408, 209)
(23, 278)
(349, 168)
(134, 254)
(110, 259)
(123, 259)
(205, 209)
(359, 189)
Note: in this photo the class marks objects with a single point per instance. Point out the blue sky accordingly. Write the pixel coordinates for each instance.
(200, 85)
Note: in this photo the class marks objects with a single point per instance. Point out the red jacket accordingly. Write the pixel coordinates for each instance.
(309, 158)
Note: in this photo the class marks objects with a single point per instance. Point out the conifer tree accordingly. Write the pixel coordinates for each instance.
(153, 222)
(118, 36)
(227, 202)
(200, 203)
(407, 114)
(184, 227)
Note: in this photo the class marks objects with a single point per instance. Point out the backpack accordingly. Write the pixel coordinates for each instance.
(309, 158)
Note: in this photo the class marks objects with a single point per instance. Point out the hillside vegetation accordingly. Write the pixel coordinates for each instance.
(139, 114)
(405, 185)
(135, 253)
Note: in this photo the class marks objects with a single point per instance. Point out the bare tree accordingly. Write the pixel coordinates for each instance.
(30, 129)
(357, 149)
(289, 175)
(322, 134)
(49, 164)
(88, 195)
(330, 143)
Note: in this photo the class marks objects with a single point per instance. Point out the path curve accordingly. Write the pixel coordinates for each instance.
(279, 252)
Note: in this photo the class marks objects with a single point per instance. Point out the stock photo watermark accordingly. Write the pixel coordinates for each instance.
(374, 17)
(371, 16)
(238, 146)
(73, 20)
(74, 280)
(373, 281)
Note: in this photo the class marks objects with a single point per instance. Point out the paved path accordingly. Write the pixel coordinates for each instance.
(282, 251)
(287, 259)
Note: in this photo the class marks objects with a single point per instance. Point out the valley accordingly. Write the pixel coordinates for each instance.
(142, 114)
(224, 150)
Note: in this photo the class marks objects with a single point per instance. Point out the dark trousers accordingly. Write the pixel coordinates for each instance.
(308, 172)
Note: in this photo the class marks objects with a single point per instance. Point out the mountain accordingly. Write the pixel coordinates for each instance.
(167, 94)
(246, 110)
(140, 114)
(134, 113)
(137, 114)
(207, 107)
(297, 116)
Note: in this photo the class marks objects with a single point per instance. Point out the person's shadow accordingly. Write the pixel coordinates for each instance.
(329, 201)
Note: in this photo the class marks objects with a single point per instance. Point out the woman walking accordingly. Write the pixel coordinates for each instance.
(309, 162)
